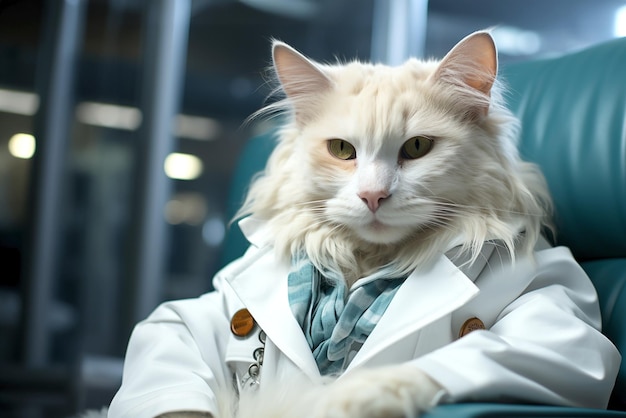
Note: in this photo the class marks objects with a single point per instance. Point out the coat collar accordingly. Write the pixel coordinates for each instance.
(262, 287)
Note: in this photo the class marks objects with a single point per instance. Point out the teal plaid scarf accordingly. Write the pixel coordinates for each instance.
(336, 321)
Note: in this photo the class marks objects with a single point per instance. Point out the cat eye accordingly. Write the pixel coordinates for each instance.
(341, 149)
(416, 147)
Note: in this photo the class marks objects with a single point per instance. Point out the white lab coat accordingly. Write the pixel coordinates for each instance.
(542, 342)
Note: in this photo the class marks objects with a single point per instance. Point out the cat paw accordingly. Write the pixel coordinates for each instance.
(389, 392)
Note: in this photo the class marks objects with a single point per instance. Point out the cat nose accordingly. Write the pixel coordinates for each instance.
(373, 198)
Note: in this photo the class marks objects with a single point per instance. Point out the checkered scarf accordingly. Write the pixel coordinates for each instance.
(336, 320)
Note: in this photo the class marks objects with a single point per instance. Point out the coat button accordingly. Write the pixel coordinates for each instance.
(470, 325)
(242, 323)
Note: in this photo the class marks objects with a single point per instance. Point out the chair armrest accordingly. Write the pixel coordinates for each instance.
(609, 279)
(497, 410)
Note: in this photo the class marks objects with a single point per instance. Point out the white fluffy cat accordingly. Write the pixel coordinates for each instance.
(428, 146)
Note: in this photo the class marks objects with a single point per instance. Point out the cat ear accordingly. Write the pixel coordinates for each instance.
(473, 63)
(301, 79)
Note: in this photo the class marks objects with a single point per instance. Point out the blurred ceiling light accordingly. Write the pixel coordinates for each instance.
(109, 115)
(196, 127)
(189, 208)
(183, 166)
(515, 41)
(19, 102)
(22, 146)
(619, 26)
(175, 212)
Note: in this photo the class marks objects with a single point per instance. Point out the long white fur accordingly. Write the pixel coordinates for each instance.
(399, 391)
(471, 188)
(391, 392)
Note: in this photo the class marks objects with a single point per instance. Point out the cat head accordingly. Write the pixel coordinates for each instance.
(381, 166)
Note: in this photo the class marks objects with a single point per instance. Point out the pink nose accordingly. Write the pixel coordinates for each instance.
(373, 198)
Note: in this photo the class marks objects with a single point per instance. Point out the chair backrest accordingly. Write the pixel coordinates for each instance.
(573, 116)
(251, 161)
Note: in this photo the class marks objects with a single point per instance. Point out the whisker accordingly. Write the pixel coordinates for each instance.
(450, 204)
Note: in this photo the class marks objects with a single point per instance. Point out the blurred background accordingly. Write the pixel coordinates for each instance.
(120, 125)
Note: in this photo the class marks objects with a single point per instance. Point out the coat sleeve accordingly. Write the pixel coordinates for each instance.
(175, 359)
(544, 347)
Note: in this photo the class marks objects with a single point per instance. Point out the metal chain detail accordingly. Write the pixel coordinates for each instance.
(253, 379)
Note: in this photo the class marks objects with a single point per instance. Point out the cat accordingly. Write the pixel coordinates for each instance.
(377, 172)
(381, 167)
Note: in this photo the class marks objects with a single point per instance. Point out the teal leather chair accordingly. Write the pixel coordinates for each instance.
(573, 114)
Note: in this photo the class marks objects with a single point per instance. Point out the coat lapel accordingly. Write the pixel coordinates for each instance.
(262, 287)
(425, 297)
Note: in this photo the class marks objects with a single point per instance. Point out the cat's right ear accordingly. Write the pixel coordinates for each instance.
(301, 79)
(472, 63)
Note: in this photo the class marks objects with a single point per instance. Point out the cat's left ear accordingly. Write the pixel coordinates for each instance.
(473, 63)
(301, 79)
